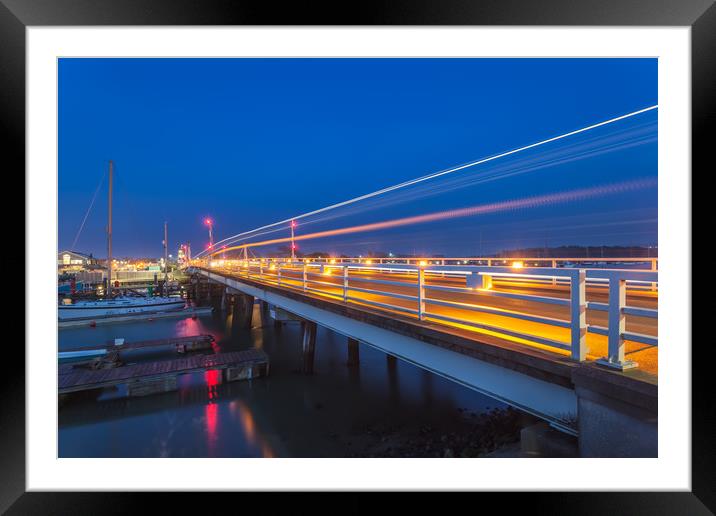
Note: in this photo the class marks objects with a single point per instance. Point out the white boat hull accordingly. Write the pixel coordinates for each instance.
(114, 309)
(90, 353)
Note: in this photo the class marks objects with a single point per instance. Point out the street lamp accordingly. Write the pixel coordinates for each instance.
(293, 244)
(210, 224)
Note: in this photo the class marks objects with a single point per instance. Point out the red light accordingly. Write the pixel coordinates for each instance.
(293, 223)
(208, 222)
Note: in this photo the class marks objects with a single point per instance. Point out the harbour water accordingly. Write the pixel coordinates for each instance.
(338, 411)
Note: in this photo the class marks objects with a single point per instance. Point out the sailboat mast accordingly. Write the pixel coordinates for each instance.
(166, 258)
(109, 231)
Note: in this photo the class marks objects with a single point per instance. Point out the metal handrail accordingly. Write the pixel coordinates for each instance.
(478, 280)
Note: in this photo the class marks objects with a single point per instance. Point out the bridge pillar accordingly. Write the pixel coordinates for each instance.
(614, 421)
(214, 296)
(392, 362)
(353, 353)
(308, 345)
(207, 293)
(195, 281)
(243, 310)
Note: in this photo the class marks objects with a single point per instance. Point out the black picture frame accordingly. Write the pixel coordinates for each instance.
(16, 15)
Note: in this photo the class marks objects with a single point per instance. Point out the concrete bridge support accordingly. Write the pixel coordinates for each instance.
(308, 345)
(353, 353)
(209, 294)
(392, 362)
(615, 422)
(263, 312)
(195, 293)
(243, 310)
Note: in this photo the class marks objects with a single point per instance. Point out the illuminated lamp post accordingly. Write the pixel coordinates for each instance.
(293, 243)
(210, 224)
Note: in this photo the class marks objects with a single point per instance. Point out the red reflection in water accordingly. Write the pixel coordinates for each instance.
(211, 420)
(211, 410)
(213, 380)
(189, 327)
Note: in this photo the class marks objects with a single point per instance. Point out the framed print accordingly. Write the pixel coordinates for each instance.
(421, 248)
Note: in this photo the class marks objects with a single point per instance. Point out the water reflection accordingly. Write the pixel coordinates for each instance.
(211, 411)
(284, 414)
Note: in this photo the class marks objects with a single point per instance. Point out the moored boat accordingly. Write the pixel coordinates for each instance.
(118, 306)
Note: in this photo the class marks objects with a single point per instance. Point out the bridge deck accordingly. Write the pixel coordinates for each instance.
(331, 287)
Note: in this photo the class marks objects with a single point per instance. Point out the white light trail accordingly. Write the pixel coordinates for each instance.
(438, 174)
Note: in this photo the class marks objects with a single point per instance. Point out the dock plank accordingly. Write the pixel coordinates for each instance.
(176, 341)
(94, 379)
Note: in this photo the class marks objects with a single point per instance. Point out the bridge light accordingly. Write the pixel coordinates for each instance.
(423, 263)
(332, 260)
(369, 262)
(517, 265)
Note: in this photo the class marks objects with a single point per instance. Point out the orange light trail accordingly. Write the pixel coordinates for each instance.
(526, 202)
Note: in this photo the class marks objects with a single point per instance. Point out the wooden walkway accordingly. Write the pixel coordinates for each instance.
(251, 362)
(188, 343)
(149, 316)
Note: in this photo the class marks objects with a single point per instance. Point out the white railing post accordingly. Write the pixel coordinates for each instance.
(473, 280)
(421, 293)
(578, 310)
(554, 278)
(345, 283)
(617, 325)
(305, 276)
(486, 281)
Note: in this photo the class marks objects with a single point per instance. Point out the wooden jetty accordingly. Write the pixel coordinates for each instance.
(85, 323)
(153, 377)
(180, 344)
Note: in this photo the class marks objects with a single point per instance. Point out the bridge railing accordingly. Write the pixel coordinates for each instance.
(450, 294)
(649, 262)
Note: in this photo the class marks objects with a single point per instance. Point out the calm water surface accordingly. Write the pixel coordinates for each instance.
(286, 414)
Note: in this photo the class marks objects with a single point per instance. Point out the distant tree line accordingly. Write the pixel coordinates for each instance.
(574, 251)
(567, 251)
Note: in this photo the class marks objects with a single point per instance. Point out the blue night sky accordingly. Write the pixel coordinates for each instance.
(253, 141)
